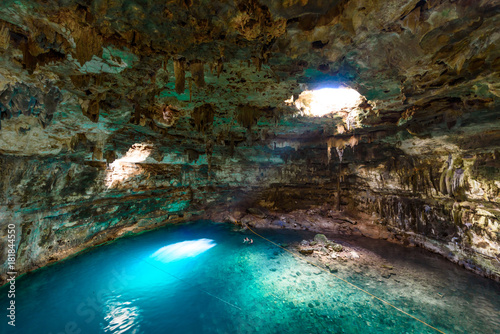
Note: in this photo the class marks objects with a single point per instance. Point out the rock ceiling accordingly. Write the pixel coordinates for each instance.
(418, 63)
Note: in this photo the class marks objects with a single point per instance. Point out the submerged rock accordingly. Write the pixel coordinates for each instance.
(306, 251)
(332, 269)
(321, 238)
(387, 274)
(337, 247)
(279, 223)
(257, 212)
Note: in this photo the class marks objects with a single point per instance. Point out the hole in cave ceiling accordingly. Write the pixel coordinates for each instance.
(323, 101)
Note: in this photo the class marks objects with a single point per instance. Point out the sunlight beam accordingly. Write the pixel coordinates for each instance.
(182, 250)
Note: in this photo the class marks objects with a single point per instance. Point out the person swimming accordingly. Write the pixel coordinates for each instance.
(246, 240)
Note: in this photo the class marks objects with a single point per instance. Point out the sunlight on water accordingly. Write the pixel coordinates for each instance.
(182, 250)
(121, 317)
(167, 281)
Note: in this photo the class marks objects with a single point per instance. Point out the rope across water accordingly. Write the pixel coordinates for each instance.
(305, 259)
(347, 282)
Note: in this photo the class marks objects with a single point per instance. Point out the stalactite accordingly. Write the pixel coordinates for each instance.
(110, 156)
(203, 117)
(353, 141)
(88, 43)
(98, 79)
(180, 75)
(458, 180)
(4, 38)
(51, 101)
(449, 175)
(90, 109)
(29, 61)
(190, 89)
(329, 145)
(340, 128)
(231, 146)
(97, 153)
(257, 63)
(247, 116)
(209, 147)
(197, 69)
(72, 143)
(340, 144)
(192, 155)
(136, 117)
(93, 111)
(444, 188)
(340, 152)
(220, 67)
(80, 81)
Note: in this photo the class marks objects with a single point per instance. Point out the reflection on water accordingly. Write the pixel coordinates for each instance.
(121, 317)
(175, 280)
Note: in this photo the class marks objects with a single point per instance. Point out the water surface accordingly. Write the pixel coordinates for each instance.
(201, 278)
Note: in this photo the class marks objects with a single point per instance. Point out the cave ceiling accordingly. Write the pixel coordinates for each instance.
(198, 69)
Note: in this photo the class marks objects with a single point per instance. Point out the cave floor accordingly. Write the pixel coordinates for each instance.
(218, 284)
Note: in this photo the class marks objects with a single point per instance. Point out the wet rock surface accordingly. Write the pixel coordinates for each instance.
(324, 219)
(319, 244)
(334, 256)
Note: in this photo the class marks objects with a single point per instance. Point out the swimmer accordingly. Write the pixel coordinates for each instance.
(246, 240)
(251, 241)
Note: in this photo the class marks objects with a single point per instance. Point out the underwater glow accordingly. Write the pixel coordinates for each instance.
(326, 100)
(125, 167)
(182, 250)
(242, 288)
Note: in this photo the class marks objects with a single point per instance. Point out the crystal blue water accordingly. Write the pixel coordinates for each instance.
(201, 278)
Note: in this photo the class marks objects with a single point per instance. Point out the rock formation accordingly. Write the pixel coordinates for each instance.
(125, 115)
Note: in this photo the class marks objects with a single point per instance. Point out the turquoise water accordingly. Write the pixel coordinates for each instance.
(217, 284)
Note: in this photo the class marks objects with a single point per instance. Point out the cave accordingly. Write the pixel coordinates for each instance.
(250, 166)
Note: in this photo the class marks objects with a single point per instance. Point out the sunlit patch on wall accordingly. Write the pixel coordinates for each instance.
(323, 101)
(126, 167)
(182, 250)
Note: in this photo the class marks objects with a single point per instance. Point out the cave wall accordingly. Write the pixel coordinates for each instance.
(120, 116)
(62, 204)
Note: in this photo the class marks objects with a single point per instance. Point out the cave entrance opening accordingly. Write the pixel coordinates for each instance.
(321, 102)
